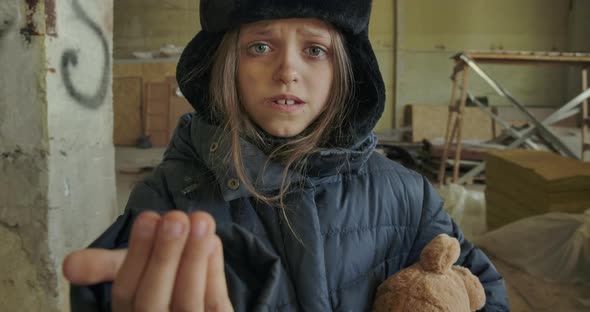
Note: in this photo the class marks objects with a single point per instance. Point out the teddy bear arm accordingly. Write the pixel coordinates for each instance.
(475, 290)
(406, 303)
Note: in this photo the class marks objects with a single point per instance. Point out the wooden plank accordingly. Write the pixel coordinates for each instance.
(159, 138)
(158, 71)
(127, 110)
(158, 122)
(529, 57)
(178, 106)
(127, 70)
(460, 120)
(585, 117)
(448, 134)
(516, 118)
(161, 109)
(428, 121)
(157, 103)
(557, 172)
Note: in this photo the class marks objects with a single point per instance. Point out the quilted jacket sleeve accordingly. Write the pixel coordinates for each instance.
(434, 221)
(97, 298)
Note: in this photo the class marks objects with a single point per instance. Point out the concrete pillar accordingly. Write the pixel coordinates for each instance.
(57, 179)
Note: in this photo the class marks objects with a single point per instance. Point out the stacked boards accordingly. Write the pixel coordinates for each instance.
(524, 183)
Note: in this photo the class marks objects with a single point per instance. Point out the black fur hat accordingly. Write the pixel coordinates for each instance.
(351, 17)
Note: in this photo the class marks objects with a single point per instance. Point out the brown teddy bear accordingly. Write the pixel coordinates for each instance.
(433, 284)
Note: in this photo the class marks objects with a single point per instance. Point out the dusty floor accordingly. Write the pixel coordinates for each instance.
(527, 293)
(132, 164)
(530, 293)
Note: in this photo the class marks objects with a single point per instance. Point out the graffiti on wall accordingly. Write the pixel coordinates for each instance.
(69, 61)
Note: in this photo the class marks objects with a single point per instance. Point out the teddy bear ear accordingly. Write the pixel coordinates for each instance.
(440, 254)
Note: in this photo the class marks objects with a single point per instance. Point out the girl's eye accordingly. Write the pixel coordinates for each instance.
(260, 48)
(316, 51)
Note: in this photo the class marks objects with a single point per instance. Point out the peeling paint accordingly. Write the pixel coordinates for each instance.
(32, 3)
(30, 29)
(50, 18)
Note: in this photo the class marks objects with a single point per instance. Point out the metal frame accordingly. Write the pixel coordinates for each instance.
(455, 119)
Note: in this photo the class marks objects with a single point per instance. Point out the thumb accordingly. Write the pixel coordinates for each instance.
(92, 266)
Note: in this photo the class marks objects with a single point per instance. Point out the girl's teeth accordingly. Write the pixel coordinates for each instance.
(285, 102)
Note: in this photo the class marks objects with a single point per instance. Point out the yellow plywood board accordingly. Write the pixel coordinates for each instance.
(154, 72)
(129, 85)
(127, 70)
(429, 121)
(127, 110)
(502, 208)
(541, 168)
(178, 106)
(522, 183)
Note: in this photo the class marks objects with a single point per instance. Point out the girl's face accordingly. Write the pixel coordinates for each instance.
(285, 73)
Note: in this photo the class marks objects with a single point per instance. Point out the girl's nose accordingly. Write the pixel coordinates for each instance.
(286, 72)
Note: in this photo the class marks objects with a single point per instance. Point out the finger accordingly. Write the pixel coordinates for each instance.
(216, 297)
(141, 241)
(92, 266)
(156, 286)
(191, 279)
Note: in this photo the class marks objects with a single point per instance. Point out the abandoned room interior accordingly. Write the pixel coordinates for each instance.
(488, 100)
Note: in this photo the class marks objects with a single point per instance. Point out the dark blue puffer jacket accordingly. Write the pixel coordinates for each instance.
(359, 218)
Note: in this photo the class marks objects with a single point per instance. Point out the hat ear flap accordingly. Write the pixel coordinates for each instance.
(193, 71)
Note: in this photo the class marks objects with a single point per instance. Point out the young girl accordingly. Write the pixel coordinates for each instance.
(270, 196)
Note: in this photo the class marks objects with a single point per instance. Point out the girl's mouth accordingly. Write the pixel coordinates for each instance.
(285, 102)
(287, 105)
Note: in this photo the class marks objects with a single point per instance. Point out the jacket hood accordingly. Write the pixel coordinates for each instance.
(350, 17)
(195, 139)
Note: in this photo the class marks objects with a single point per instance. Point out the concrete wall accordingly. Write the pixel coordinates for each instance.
(431, 31)
(382, 35)
(578, 40)
(579, 26)
(82, 192)
(147, 25)
(57, 182)
(27, 279)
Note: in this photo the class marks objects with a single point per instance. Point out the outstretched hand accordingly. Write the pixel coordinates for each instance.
(174, 263)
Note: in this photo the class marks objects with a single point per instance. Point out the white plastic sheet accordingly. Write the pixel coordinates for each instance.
(466, 207)
(555, 246)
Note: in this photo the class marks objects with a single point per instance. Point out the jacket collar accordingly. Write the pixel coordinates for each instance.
(194, 138)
